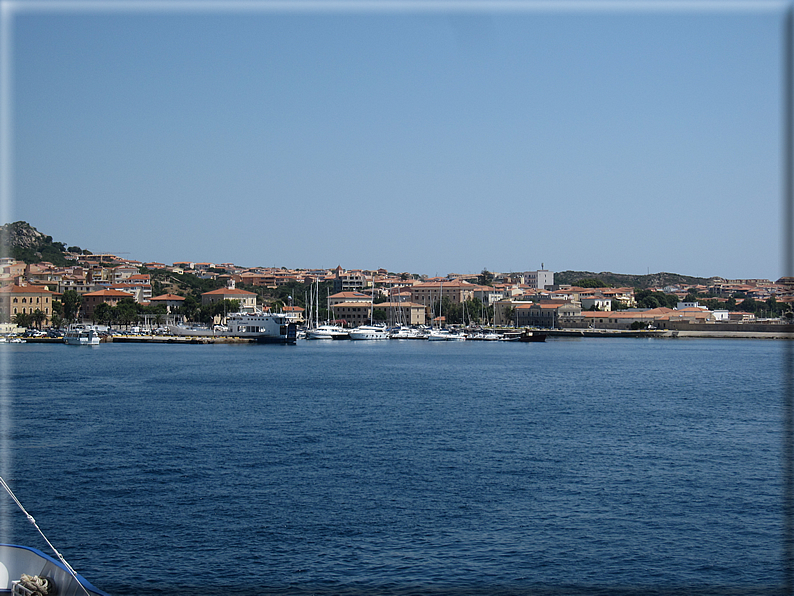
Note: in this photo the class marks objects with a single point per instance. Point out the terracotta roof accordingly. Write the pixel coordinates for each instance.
(14, 289)
(229, 292)
(349, 295)
(550, 304)
(352, 304)
(446, 284)
(168, 297)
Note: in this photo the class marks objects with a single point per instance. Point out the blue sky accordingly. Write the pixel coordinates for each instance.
(431, 141)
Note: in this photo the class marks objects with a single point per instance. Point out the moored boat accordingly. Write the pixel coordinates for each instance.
(485, 336)
(369, 332)
(327, 332)
(532, 336)
(191, 330)
(404, 332)
(445, 335)
(81, 335)
(264, 327)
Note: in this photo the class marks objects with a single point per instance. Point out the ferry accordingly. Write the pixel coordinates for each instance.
(264, 327)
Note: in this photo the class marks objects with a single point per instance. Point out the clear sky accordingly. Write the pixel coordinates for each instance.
(413, 138)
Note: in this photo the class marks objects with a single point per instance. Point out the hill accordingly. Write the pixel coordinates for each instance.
(654, 280)
(23, 242)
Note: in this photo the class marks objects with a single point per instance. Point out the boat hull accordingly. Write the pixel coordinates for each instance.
(16, 560)
(327, 332)
(368, 332)
(182, 331)
(532, 337)
(81, 336)
(265, 328)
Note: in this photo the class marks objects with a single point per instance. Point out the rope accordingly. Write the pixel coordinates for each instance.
(37, 585)
(71, 571)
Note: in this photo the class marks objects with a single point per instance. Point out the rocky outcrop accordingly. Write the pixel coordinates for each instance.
(21, 234)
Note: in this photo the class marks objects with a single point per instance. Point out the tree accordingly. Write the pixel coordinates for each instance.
(189, 308)
(22, 319)
(38, 317)
(750, 305)
(103, 313)
(473, 310)
(56, 320)
(485, 278)
(71, 305)
(451, 311)
(57, 310)
(711, 304)
(649, 299)
(126, 311)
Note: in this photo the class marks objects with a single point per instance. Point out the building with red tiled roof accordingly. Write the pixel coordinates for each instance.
(93, 299)
(15, 299)
(340, 297)
(352, 313)
(430, 292)
(170, 301)
(246, 298)
(622, 319)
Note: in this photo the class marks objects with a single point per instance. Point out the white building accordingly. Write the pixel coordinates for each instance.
(540, 279)
(599, 302)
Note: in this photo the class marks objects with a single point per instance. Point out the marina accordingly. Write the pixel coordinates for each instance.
(407, 333)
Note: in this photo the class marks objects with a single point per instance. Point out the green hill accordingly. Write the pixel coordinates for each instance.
(654, 280)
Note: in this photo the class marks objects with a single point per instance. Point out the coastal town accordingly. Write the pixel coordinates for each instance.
(93, 288)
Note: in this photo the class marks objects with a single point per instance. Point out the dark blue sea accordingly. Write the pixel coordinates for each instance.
(589, 466)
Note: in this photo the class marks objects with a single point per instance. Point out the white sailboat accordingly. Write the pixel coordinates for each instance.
(440, 334)
(326, 331)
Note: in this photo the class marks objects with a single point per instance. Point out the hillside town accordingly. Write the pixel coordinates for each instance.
(94, 286)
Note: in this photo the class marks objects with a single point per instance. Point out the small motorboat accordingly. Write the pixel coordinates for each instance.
(533, 336)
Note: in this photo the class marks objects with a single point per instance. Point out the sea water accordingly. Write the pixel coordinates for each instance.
(403, 467)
